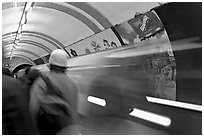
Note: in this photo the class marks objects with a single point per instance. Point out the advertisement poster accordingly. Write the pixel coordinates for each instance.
(101, 41)
(142, 27)
(147, 28)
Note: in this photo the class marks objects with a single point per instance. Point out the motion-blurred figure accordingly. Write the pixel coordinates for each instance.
(16, 118)
(59, 79)
(28, 79)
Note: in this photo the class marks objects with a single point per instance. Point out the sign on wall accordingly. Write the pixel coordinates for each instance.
(142, 27)
(98, 42)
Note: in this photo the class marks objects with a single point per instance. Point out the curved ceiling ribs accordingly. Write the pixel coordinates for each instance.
(85, 7)
(32, 53)
(92, 12)
(37, 44)
(42, 36)
(21, 56)
(45, 37)
(34, 43)
(70, 12)
(96, 15)
(10, 5)
(27, 51)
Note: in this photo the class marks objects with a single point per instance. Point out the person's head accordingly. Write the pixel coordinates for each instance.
(27, 70)
(58, 60)
(33, 74)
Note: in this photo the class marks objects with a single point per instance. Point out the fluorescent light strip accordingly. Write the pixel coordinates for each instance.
(98, 101)
(152, 117)
(175, 103)
(15, 4)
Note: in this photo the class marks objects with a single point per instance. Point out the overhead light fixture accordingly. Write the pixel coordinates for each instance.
(15, 4)
(19, 36)
(23, 21)
(29, 6)
(16, 41)
(11, 55)
(24, 18)
(14, 46)
(28, 9)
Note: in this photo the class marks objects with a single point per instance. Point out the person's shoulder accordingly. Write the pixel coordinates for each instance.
(38, 80)
(11, 86)
(9, 80)
(61, 77)
(55, 75)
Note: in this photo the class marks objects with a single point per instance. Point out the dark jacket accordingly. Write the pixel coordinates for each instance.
(28, 79)
(16, 118)
(65, 85)
(6, 71)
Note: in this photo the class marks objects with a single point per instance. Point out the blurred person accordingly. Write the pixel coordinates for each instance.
(20, 73)
(23, 77)
(16, 119)
(28, 79)
(40, 90)
(32, 75)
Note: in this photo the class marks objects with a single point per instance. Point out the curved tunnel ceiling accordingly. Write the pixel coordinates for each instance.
(57, 25)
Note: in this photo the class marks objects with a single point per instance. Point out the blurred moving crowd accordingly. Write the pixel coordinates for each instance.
(28, 105)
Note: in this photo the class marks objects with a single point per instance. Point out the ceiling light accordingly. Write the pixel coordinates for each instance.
(15, 4)
(27, 8)
(11, 55)
(14, 46)
(16, 41)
